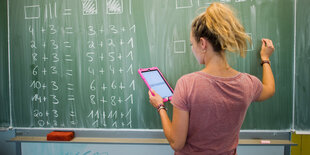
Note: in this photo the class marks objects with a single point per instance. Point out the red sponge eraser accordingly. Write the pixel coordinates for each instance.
(60, 135)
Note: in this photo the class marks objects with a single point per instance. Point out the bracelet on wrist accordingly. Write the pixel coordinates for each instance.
(265, 61)
(161, 106)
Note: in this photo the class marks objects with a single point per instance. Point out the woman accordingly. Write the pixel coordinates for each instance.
(209, 106)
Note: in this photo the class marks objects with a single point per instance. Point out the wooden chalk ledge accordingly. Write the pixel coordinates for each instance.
(143, 141)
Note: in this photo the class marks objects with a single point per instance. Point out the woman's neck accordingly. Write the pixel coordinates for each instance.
(216, 64)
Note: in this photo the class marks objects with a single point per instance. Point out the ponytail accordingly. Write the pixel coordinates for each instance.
(221, 28)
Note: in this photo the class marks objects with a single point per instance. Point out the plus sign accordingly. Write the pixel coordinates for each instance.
(121, 42)
(104, 87)
(120, 70)
(101, 57)
(101, 30)
(101, 44)
(121, 86)
(119, 56)
(43, 86)
(44, 45)
(44, 71)
(44, 98)
(101, 71)
(44, 57)
(120, 100)
(102, 100)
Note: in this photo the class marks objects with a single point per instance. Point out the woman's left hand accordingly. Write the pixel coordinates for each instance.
(155, 100)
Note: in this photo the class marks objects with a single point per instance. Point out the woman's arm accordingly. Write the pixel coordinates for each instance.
(175, 131)
(268, 79)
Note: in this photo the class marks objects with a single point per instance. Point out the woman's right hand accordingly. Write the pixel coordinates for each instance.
(268, 79)
(267, 49)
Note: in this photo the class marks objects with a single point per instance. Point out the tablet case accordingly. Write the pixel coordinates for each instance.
(151, 69)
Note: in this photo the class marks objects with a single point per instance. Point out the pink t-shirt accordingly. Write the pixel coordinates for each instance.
(217, 107)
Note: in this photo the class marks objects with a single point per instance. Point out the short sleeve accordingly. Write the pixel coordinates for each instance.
(180, 95)
(257, 88)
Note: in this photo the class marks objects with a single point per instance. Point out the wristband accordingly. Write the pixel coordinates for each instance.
(265, 61)
(161, 106)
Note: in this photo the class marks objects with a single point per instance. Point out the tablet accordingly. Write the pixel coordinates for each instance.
(156, 81)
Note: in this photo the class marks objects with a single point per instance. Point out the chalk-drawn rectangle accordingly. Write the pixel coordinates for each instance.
(225, 1)
(181, 4)
(32, 12)
(204, 2)
(238, 1)
(89, 7)
(179, 46)
(114, 6)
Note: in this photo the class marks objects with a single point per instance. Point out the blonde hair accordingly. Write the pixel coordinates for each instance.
(221, 28)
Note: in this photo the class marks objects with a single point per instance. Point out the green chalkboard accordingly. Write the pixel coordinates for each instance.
(74, 62)
(275, 20)
(4, 76)
(302, 82)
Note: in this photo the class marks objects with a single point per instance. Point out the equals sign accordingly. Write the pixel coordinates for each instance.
(67, 12)
(70, 86)
(68, 58)
(69, 72)
(67, 44)
(71, 98)
(72, 113)
(68, 30)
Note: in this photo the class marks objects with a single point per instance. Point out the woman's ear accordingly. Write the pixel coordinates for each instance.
(204, 43)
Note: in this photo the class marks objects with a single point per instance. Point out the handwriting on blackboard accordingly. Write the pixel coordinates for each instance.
(53, 55)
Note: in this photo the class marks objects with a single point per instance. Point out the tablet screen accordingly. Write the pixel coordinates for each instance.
(156, 82)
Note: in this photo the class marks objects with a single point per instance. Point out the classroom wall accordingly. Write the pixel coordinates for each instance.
(303, 143)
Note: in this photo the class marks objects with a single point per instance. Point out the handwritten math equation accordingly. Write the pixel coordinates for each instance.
(81, 75)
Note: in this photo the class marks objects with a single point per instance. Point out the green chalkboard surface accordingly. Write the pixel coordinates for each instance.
(302, 82)
(4, 76)
(74, 62)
